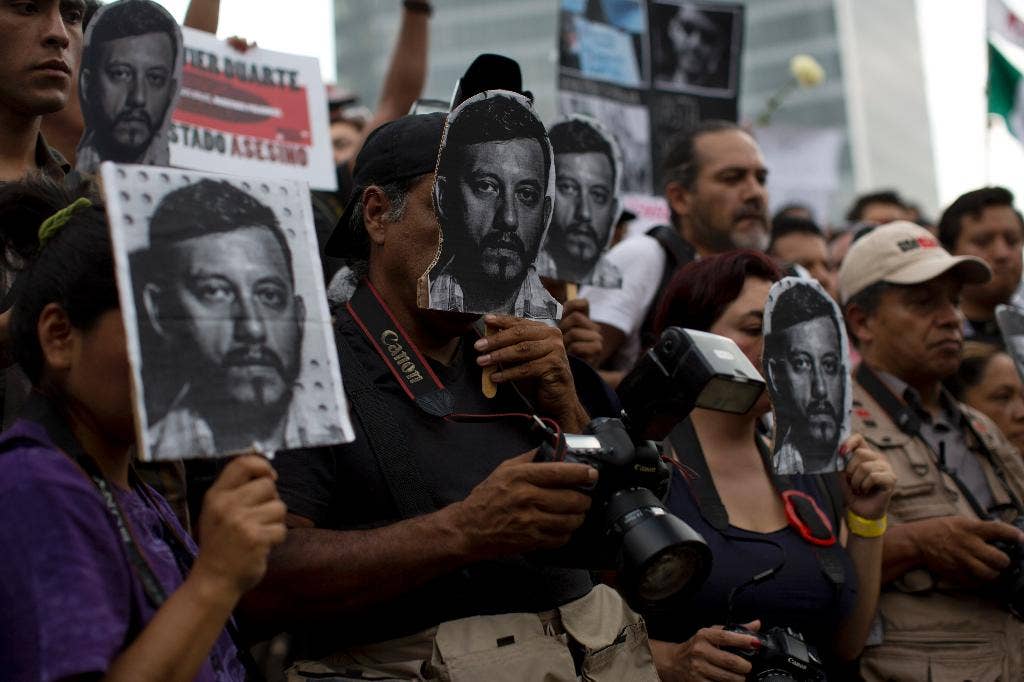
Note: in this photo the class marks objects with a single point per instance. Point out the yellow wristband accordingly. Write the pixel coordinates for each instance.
(866, 528)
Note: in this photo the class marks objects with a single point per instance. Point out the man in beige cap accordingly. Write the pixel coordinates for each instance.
(945, 608)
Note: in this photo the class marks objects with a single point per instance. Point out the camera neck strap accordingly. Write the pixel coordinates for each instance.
(389, 445)
(408, 366)
(908, 421)
(412, 371)
(803, 513)
(42, 411)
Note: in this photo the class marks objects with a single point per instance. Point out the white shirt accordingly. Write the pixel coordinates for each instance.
(641, 260)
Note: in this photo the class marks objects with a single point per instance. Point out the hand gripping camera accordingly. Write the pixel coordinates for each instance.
(783, 656)
(1010, 583)
(628, 529)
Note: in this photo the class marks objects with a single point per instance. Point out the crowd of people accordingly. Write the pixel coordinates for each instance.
(432, 547)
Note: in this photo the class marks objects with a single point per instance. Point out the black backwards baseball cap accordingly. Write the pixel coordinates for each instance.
(398, 150)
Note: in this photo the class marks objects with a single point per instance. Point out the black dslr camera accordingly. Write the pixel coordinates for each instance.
(628, 529)
(1010, 584)
(783, 656)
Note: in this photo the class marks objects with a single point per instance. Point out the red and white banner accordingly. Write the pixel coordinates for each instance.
(258, 113)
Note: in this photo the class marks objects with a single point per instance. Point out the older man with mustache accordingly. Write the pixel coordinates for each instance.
(943, 612)
(715, 188)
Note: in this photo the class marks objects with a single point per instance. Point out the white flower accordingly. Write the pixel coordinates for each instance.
(806, 70)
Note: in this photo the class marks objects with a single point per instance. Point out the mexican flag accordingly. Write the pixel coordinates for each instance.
(1006, 63)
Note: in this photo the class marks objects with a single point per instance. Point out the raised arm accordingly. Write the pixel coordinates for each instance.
(242, 518)
(407, 70)
(203, 15)
(868, 482)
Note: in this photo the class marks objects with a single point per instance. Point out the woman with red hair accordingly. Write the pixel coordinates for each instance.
(776, 560)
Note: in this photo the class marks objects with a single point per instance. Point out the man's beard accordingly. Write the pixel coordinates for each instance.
(128, 135)
(822, 424)
(250, 382)
(502, 257)
(723, 241)
(577, 252)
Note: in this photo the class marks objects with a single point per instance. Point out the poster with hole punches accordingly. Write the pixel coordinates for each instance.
(228, 334)
(259, 113)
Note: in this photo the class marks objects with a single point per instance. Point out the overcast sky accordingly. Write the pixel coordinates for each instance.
(277, 25)
(966, 155)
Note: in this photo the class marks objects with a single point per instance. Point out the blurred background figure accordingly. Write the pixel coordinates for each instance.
(984, 223)
(799, 241)
(988, 381)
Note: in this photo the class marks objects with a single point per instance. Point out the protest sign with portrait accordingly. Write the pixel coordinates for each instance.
(229, 337)
(494, 194)
(648, 69)
(128, 84)
(807, 366)
(588, 173)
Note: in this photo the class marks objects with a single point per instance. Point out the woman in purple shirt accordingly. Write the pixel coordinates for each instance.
(99, 580)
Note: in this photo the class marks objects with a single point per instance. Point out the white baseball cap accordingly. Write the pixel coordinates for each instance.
(903, 253)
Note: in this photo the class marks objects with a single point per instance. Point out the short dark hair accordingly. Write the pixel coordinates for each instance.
(794, 306)
(885, 196)
(128, 18)
(700, 291)
(579, 137)
(493, 119)
(786, 225)
(397, 193)
(75, 268)
(971, 204)
(681, 163)
(207, 207)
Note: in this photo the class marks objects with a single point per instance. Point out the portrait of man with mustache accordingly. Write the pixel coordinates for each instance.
(131, 71)
(216, 287)
(587, 204)
(807, 366)
(493, 195)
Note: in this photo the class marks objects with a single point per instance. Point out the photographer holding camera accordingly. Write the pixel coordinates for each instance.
(409, 554)
(952, 560)
(778, 567)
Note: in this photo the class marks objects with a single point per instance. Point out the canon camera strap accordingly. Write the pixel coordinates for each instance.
(420, 383)
(908, 421)
(388, 338)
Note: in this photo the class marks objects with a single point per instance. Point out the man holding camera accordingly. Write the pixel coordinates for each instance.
(411, 550)
(945, 608)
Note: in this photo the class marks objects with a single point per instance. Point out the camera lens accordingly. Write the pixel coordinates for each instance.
(660, 556)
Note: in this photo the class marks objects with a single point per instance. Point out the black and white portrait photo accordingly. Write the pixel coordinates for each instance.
(494, 196)
(695, 47)
(128, 84)
(1011, 326)
(225, 312)
(807, 365)
(588, 168)
(628, 125)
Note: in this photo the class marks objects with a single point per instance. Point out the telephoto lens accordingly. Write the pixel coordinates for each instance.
(661, 556)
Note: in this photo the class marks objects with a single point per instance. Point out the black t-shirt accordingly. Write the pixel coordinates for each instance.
(342, 488)
(799, 596)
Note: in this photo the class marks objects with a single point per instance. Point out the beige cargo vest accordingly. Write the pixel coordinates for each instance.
(933, 631)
